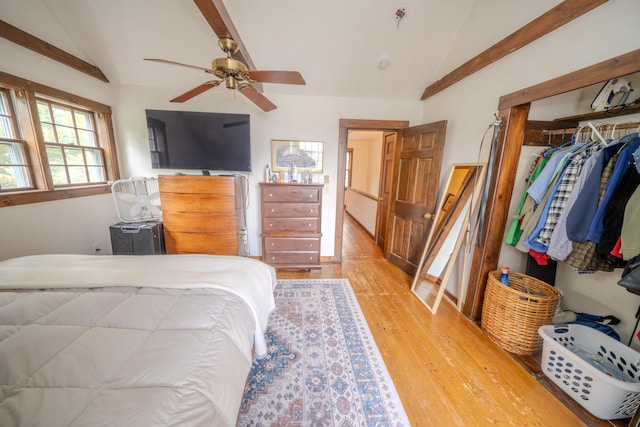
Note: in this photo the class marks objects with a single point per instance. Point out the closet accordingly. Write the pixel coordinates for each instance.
(566, 212)
(514, 111)
(516, 131)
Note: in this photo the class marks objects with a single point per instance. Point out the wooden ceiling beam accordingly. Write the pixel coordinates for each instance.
(215, 13)
(29, 41)
(618, 66)
(556, 17)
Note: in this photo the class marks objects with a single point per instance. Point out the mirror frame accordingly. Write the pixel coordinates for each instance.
(450, 207)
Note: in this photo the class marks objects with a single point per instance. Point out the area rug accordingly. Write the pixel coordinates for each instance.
(323, 367)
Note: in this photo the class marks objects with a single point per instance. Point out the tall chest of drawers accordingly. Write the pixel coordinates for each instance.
(291, 225)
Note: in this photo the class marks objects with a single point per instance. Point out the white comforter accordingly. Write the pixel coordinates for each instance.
(129, 340)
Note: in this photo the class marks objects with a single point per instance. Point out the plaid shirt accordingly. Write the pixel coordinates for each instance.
(559, 201)
(583, 256)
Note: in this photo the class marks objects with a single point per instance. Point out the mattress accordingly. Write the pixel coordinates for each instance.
(154, 340)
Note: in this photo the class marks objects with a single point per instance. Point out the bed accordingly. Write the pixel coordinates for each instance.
(154, 340)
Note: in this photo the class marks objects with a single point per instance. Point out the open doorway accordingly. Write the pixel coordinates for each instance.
(362, 179)
(346, 125)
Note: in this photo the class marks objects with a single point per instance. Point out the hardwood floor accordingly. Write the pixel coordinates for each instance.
(446, 371)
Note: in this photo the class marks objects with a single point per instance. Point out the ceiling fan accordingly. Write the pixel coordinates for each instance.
(236, 75)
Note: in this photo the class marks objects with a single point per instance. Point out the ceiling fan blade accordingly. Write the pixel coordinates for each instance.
(257, 98)
(284, 77)
(196, 91)
(165, 61)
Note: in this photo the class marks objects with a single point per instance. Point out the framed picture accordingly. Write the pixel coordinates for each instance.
(305, 155)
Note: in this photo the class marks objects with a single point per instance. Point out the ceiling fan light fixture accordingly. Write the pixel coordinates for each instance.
(231, 82)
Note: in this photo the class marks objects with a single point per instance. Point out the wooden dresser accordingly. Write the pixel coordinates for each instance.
(200, 214)
(291, 225)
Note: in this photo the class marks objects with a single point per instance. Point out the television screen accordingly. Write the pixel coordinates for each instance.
(198, 140)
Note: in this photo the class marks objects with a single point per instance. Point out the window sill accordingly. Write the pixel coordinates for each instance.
(36, 196)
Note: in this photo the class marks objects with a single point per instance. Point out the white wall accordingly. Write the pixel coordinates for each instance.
(62, 226)
(297, 117)
(74, 226)
(469, 107)
(362, 208)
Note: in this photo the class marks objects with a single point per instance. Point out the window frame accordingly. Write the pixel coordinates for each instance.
(349, 168)
(24, 97)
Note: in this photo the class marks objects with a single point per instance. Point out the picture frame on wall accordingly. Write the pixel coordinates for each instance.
(307, 156)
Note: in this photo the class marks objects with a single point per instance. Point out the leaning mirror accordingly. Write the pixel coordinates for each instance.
(448, 235)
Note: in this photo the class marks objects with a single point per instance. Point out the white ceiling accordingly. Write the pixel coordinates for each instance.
(335, 44)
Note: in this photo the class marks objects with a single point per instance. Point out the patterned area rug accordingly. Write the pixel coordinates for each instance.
(323, 367)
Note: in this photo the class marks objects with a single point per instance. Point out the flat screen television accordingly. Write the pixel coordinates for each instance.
(199, 140)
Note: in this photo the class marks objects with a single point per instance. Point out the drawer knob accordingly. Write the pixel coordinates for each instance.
(311, 210)
(309, 224)
(310, 258)
(310, 195)
(273, 257)
(270, 195)
(270, 225)
(273, 244)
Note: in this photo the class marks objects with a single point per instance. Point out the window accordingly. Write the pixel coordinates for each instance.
(348, 171)
(72, 145)
(52, 144)
(14, 169)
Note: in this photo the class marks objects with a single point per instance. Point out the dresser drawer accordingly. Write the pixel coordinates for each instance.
(298, 259)
(291, 193)
(291, 210)
(290, 224)
(284, 244)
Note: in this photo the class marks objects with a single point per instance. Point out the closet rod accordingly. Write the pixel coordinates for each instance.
(605, 127)
(537, 135)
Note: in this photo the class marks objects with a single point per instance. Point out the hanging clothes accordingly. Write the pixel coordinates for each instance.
(575, 205)
(587, 184)
(583, 257)
(554, 194)
(614, 211)
(630, 234)
(540, 191)
(524, 208)
(565, 187)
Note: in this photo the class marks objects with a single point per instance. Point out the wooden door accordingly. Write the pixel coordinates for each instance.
(417, 164)
(386, 183)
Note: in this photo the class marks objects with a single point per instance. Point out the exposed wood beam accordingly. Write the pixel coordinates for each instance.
(609, 69)
(563, 13)
(218, 18)
(25, 39)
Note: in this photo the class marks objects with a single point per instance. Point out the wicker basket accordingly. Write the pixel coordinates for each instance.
(511, 316)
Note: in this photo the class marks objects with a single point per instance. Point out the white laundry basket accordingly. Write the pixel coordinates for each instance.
(598, 372)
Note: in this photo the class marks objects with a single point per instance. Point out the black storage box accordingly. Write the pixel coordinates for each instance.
(137, 238)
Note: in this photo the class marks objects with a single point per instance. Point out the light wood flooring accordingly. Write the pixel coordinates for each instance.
(446, 371)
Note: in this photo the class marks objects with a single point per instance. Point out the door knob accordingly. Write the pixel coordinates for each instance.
(428, 215)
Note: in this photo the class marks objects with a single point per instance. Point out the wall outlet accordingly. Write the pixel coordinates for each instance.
(97, 250)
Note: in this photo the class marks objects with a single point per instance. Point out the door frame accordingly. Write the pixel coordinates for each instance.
(343, 138)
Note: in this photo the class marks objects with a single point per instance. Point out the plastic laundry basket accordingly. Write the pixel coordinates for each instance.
(598, 372)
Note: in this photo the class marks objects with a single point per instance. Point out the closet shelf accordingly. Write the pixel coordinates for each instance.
(612, 112)
(556, 132)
